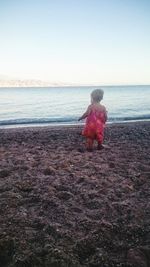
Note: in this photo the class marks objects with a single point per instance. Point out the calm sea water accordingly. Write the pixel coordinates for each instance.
(63, 105)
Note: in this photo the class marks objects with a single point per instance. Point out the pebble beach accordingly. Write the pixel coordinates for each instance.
(61, 206)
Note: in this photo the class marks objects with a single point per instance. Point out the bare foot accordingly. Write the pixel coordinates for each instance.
(100, 146)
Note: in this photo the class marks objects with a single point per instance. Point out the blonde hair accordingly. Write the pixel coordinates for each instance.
(97, 95)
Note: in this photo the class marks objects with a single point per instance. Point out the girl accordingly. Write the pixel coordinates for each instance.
(96, 115)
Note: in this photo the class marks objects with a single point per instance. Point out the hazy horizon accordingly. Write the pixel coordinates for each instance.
(84, 42)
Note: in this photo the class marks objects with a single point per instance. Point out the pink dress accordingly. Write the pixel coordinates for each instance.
(95, 123)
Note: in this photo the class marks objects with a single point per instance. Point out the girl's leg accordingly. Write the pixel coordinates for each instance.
(100, 138)
(89, 144)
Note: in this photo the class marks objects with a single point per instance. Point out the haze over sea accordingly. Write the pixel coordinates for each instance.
(63, 105)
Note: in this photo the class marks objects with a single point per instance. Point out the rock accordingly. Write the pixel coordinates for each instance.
(4, 173)
(6, 251)
(85, 248)
(111, 165)
(137, 258)
(49, 171)
(65, 195)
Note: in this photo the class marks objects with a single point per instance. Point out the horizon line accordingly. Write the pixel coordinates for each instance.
(71, 85)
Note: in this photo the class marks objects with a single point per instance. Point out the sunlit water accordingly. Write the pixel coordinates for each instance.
(32, 106)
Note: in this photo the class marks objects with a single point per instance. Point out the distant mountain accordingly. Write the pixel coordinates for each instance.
(7, 82)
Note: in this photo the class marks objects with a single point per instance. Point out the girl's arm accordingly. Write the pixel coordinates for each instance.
(105, 115)
(85, 114)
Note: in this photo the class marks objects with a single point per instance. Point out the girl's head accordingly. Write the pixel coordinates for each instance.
(97, 95)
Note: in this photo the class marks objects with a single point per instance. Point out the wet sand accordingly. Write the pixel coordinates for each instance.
(61, 206)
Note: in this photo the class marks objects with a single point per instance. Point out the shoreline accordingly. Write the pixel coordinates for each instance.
(61, 206)
(61, 125)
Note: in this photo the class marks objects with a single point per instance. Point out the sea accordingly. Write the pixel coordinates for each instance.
(34, 106)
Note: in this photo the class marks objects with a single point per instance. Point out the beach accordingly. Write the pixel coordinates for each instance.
(61, 206)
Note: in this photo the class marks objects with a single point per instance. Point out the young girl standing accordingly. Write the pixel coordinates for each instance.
(96, 116)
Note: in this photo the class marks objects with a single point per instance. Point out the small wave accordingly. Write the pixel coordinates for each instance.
(36, 121)
(129, 118)
(71, 120)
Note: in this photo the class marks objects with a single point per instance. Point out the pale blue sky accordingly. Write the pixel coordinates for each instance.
(76, 41)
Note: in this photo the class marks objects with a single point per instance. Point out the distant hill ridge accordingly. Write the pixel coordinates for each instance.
(5, 82)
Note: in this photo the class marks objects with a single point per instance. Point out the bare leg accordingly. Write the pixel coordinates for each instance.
(89, 144)
(100, 140)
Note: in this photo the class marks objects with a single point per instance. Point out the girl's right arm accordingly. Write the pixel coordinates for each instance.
(85, 114)
(105, 115)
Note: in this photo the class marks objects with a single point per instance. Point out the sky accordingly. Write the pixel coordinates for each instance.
(95, 42)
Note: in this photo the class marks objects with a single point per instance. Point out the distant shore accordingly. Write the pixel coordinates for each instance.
(63, 206)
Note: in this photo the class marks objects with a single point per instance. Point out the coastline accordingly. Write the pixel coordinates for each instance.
(61, 125)
(61, 207)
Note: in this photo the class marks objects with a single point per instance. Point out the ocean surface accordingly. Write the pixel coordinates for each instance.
(63, 105)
